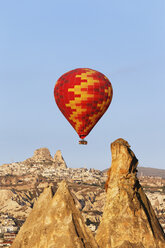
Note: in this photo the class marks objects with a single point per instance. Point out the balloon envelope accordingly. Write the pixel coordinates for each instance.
(83, 95)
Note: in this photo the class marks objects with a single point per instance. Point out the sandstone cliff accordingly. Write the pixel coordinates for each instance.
(55, 222)
(128, 218)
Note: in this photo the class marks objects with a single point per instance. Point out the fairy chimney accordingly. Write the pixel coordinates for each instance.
(55, 222)
(59, 160)
(128, 218)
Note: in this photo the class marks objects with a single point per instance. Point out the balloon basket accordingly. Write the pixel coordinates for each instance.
(83, 142)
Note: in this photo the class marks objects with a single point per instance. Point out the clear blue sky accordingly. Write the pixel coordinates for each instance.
(41, 40)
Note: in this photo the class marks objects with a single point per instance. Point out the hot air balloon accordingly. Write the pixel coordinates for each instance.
(83, 95)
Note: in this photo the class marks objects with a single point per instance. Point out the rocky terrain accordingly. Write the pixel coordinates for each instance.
(22, 183)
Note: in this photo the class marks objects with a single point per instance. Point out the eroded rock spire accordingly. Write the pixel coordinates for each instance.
(55, 222)
(128, 218)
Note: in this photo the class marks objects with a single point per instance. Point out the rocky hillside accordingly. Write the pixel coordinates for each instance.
(151, 172)
(22, 183)
(128, 220)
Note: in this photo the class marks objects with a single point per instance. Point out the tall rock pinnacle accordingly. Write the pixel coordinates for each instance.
(55, 222)
(59, 160)
(128, 219)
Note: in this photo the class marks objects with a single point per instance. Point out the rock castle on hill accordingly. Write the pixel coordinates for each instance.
(70, 213)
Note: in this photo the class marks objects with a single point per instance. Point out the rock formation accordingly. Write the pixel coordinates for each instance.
(55, 222)
(59, 160)
(8, 204)
(42, 156)
(128, 219)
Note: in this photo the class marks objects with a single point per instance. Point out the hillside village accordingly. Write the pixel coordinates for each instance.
(22, 183)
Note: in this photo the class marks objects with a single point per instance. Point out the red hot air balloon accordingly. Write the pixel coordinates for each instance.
(83, 95)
